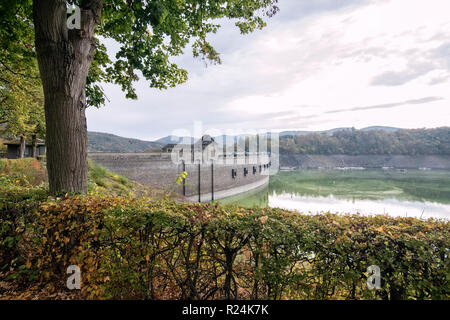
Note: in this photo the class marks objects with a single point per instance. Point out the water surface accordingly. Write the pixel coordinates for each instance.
(410, 193)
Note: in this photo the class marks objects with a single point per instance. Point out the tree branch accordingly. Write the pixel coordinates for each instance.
(17, 73)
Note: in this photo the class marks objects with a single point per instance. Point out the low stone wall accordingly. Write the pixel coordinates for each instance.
(366, 161)
(212, 181)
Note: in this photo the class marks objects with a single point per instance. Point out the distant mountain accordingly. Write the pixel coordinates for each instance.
(168, 139)
(106, 142)
(302, 133)
(371, 141)
(230, 139)
(219, 139)
(173, 139)
(294, 133)
(390, 129)
(332, 131)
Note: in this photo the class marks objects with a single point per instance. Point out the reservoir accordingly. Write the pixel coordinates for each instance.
(399, 193)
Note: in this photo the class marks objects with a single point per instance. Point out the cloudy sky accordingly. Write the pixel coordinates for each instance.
(319, 64)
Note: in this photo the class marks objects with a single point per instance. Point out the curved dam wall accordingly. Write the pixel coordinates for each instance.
(204, 182)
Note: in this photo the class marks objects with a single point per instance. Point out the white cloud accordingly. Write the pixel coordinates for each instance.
(305, 64)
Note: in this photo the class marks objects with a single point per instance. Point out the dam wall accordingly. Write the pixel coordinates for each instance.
(205, 181)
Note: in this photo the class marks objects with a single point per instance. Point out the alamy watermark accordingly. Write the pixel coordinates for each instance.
(374, 278)
(74, 280)
(226, 147)
(73, 17)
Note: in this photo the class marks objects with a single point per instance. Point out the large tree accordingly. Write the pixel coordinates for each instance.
(73, 62)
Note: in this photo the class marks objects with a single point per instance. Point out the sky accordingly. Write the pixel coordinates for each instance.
(319, 64)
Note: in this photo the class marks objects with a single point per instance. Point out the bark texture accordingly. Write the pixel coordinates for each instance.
(34, 146)
(64, 58)
(22, 147)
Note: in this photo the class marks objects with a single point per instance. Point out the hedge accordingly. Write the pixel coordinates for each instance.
(143, 249)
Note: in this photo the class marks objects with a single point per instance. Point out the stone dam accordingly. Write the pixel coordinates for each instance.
(205, 181)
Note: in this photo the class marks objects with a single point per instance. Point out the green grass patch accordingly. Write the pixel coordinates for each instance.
(101, 179)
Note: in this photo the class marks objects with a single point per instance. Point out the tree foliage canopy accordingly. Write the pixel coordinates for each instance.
(157, 30)
(148, 34)
(355, 142)
(21, 96)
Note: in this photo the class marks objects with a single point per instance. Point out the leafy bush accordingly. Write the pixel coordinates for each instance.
(24, 172)
(144, 249)
(16, 206)
(22, 186)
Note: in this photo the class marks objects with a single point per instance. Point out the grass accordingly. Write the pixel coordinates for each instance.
(30, 172)
(23, 172)
(101, 179)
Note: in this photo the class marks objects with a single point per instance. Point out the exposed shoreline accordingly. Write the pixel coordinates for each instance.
(234, 191)
(365, 161)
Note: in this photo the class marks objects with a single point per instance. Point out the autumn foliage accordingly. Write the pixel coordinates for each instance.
(137, 248)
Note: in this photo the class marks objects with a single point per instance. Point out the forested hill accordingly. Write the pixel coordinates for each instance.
(106, 142)
(373, 142)
(343, 141)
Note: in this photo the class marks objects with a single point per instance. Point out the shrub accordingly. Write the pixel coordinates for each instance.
(16, 220)
(24, 172)
(143, 249)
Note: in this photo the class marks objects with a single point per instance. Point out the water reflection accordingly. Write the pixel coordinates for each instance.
(393, 207)
(408, 194)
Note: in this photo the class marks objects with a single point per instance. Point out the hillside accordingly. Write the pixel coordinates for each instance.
(173, 139)
(330, 132)
(373, 141)
(316, 161)
(376, 140)
(231, 139)
(106, 142)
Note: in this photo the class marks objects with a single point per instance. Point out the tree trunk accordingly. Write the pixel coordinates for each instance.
(64, 58)
(34, 146)
(22, 147)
